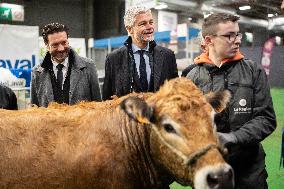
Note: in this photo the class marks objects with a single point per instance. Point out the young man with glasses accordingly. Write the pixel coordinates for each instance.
(250, 117)
(63, 76)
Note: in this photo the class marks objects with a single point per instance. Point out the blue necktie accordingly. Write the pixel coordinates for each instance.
(143, 72)
(59, 75)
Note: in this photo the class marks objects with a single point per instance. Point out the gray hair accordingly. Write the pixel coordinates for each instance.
(132, 12)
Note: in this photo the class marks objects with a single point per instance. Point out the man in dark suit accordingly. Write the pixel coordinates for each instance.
(140, 65)
(63, 76)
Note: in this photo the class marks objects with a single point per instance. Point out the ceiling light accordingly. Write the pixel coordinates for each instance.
(249, 37)
(247, 7)
(206, 14)
(161, 6)
(278, 40)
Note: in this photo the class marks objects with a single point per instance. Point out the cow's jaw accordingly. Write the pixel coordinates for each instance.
(214, 177)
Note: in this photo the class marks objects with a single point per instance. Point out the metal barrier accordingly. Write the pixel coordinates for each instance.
(23, 97)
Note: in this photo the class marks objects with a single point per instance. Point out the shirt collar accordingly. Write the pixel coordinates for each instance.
(135, 48)
(65, 62)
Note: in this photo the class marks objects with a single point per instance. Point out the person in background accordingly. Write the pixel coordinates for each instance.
(203, 48)
(8, 99)
(140, 65)
(63, 76)
(250, 117)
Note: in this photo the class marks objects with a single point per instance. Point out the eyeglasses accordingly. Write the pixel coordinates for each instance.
(231, 36)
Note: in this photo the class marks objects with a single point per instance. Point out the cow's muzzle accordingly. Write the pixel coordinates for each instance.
(222, 179)
(215, 177)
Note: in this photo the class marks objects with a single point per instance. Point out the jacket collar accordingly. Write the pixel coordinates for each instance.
(204, 58)
(74, 59)
(156, 57)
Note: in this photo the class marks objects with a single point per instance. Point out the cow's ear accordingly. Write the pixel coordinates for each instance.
(137, 109)
(219, 100)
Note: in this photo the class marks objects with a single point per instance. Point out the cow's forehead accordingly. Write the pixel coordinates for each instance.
(188, 115)
(178, 90)
(183, 104)
(180, 96)
(182, 101)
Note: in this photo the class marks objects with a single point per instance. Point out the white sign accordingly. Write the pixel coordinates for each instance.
(18, 14)
(146, 3)
(11, 12)
(18, 46)
(78, 44)
(182, 30)
(167, 21)
(10, 80)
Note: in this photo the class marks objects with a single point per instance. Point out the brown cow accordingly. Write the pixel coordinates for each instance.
(102, 145)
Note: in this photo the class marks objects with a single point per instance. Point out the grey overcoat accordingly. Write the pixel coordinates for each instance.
(84, 85)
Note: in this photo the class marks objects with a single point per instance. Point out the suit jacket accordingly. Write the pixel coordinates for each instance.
(8, 99)
(84, 85)
(117, 79)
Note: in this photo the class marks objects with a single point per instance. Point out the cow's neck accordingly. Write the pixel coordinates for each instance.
(136, 139)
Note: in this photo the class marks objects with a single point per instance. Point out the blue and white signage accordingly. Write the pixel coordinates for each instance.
(19, 47)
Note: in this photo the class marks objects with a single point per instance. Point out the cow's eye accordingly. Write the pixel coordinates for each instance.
(169, 128)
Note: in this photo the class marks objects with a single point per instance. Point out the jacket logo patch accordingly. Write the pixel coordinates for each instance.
(243, 109)
(242, 102)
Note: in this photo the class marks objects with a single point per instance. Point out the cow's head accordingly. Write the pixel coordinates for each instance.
(184, 140)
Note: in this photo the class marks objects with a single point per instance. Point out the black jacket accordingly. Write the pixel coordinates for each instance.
(119, 69)
(8, 99)
(250, 115)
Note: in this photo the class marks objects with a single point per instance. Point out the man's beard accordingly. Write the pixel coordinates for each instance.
(60, 55)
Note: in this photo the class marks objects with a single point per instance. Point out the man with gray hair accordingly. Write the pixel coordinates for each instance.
(140, 65)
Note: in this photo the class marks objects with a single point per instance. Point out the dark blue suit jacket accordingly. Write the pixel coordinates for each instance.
(117, 72)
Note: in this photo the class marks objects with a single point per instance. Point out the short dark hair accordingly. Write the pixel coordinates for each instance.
(53, 28)
(209, 26)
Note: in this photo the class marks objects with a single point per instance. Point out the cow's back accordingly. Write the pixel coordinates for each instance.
(70, 148)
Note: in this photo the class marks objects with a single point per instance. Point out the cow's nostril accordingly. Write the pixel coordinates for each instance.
(229, 174)
(222, 179)
(212, 180)
(229, 178)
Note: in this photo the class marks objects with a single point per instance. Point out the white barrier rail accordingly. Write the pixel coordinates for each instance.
(23, 96)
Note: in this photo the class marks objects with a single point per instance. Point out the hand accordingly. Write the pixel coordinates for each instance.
(227, 139)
